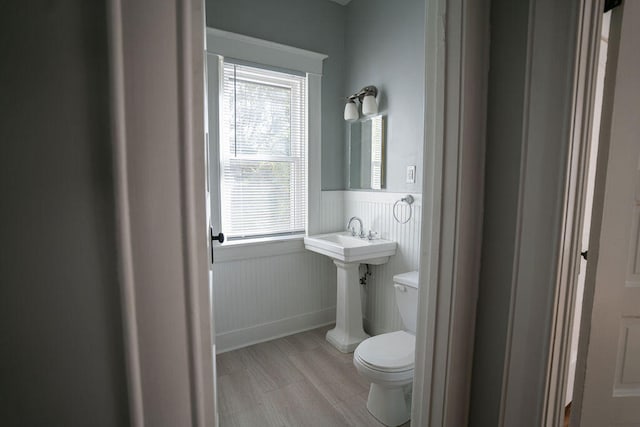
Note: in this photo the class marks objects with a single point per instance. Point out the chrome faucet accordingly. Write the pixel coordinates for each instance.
(352, 229)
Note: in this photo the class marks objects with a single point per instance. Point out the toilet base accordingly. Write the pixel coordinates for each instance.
(389, 405)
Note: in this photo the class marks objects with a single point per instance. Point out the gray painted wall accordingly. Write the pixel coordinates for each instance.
(316, 25)
(375, 42)
(61, 335)
(385, 48)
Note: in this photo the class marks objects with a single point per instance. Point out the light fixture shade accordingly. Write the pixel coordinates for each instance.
(369, 105)
(351, 111)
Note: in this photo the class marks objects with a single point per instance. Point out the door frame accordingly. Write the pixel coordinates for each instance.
(569, 263)
(559, 356)
(590, 284)
(180, 358)
(550, 77)
(456, 69)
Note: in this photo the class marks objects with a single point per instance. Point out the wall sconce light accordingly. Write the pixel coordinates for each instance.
(367, 98)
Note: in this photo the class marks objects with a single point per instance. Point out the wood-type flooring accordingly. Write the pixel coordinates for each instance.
(295, 381)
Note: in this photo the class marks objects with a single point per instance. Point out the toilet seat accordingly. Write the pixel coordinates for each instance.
(387, 353)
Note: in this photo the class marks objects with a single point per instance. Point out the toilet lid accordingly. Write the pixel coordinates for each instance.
(388, 352)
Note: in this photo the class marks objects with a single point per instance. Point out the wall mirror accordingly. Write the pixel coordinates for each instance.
(367, 153)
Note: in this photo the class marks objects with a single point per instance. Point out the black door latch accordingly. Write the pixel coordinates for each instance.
(219, 237)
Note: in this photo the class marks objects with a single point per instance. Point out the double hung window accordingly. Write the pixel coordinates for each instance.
(263, 143)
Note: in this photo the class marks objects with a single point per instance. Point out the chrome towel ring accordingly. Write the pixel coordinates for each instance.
(408, 199)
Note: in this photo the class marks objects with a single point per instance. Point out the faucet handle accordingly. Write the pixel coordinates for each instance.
(373, 235)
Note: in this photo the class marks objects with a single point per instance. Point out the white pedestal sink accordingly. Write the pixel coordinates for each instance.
(348, 253)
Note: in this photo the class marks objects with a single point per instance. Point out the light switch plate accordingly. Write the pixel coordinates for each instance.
(411, 174)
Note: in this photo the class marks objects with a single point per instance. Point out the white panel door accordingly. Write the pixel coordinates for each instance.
(612, 379)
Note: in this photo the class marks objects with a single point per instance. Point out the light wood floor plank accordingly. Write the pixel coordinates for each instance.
(295, 381)
(303, 341)
(256, 416)
(300, 404)
(269, 366)
(354, 410)
(238, 392)
(230, 362)
(335, 381)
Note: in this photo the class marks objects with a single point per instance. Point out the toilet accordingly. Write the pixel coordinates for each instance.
(387, 359)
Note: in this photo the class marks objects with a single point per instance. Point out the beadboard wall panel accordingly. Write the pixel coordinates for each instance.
(262, 298)
(381, 314)
(259, 299)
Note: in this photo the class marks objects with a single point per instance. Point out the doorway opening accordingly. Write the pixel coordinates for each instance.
(281, 148)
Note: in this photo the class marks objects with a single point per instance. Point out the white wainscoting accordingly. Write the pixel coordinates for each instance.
(277, 292)
(376, 211)
(259, 299)
(269, 296)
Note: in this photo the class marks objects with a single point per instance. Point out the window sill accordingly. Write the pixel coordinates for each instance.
(237, 250)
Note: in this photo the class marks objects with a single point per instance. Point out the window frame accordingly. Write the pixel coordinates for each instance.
(224, 44)
(298, 144)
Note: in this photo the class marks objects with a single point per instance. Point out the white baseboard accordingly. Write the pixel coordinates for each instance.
(239, 338)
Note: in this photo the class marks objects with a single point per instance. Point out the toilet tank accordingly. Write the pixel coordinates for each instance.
(406, 286)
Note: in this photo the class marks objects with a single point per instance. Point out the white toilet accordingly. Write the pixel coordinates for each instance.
(387, 359)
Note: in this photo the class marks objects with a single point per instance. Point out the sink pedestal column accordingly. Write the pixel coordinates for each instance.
(348, 332)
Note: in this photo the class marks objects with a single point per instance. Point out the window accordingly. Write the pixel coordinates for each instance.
(263, 142)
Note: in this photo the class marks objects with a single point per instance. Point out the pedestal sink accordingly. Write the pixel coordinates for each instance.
(347, 253)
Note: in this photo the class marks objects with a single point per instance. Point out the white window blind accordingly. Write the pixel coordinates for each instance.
(262, 152)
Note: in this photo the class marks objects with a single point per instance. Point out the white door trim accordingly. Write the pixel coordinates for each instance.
(195, 229)
(456, 71)
(611, 138)
(588, 46)
(157, 106)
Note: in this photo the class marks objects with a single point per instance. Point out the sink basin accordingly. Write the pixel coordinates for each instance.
(348, 252)
(342, 246)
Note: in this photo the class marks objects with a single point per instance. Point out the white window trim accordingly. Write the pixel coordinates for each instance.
(245, 48)
(238, 250)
